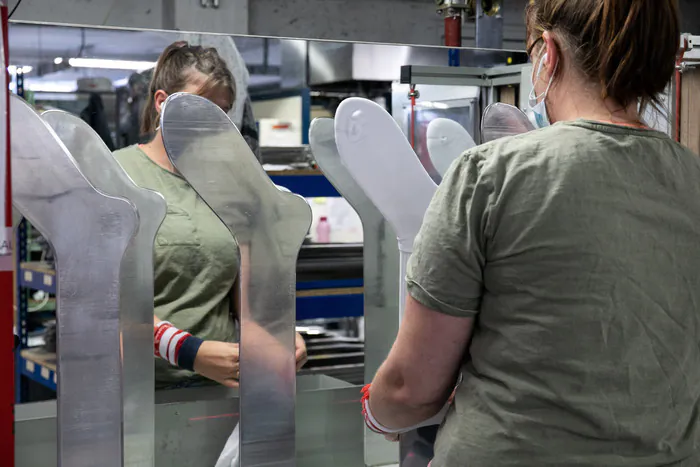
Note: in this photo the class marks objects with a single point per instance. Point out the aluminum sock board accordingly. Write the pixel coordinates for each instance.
(270, 226)
(89, 232)
(99, 166)
(381, 267)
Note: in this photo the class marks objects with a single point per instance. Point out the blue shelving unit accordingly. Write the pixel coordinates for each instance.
(330, 299)
(307, 183)
(39, 367)
(315, 300)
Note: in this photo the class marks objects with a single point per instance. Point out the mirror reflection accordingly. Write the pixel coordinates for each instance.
(118, 83)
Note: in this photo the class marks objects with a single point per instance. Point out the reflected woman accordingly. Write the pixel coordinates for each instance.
(196, 258)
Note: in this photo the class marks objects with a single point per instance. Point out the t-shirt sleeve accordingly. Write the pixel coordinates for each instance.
(445, 271)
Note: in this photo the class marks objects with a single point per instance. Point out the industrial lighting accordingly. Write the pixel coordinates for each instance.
(111, 64)
(120, 83)
(12, 69)
(58, 60)
(52, 86)
(432, 105)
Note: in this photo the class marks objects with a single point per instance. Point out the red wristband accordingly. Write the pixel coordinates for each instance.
(167, 341)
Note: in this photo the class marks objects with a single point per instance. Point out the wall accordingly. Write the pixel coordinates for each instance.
(393, 21)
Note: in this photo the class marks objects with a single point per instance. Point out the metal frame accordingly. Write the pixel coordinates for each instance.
(688, 59)
(690, 44)
(22, 308)
(489, 26)
(462, 76)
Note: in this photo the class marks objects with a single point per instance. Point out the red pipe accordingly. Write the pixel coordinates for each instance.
(7, 292)
(413, 119)
(453, 30)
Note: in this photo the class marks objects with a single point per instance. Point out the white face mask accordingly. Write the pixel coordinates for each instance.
(539, 109)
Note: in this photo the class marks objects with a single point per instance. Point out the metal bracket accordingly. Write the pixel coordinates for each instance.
(455, 7)
(461, 76)
(472, 8)
(690, 48)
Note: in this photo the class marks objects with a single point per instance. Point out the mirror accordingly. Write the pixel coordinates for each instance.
(103, 75)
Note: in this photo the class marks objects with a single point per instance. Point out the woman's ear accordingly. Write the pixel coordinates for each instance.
(552, 51)
(159, 99)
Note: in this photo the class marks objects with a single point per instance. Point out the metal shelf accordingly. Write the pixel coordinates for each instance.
(306, 183)
(315, 300)
(38, 276)
(39, 366)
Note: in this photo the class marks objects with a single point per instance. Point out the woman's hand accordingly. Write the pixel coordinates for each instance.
(218, 361)
(300, 353)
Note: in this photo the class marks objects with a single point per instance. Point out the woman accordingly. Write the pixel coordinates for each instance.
(196, 257)
(558, 271)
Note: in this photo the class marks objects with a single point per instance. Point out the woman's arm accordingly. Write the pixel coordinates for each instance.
(420, 373)
(445, 282)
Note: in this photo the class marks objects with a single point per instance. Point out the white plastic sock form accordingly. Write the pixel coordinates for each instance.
(447, 140)
(376, 153)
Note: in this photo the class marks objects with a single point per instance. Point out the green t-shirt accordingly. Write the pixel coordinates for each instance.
(195, 261)
(576, 248)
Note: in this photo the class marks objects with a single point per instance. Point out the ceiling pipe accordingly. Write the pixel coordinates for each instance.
(454, 12)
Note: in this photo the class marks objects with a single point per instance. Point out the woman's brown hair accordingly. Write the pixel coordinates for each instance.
(177, 65)
(628, 47)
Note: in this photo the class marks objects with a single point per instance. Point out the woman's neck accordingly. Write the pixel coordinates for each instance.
(587, 104)
(155, 150)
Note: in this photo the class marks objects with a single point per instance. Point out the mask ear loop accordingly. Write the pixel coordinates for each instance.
(533, 97)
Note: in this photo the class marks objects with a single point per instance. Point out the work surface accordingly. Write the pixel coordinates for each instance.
(192, 426)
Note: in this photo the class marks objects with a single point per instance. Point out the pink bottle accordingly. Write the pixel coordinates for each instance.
(323, 231)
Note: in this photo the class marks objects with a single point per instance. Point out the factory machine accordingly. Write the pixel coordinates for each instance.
(106, 412)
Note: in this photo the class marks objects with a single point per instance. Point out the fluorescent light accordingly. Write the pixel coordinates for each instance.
(52, 86)
(58, 60)
(12, 69)
(432, 105)
(120, 83)
(111, 64)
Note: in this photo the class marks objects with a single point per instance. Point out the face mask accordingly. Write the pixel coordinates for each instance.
(539, 109)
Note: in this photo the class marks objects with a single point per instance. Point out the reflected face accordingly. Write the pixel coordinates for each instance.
(218, 95)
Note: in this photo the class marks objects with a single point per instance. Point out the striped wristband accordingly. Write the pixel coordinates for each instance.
(177, 347)
(377, 427)
(370, 421)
